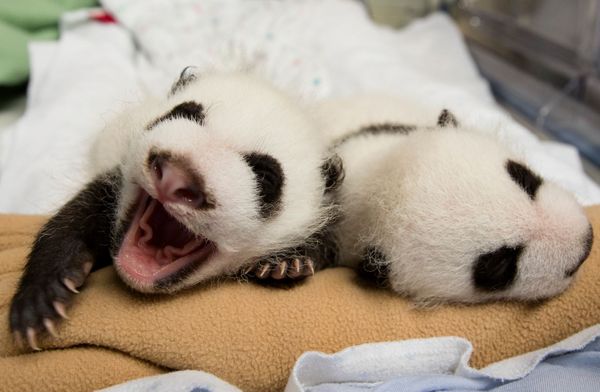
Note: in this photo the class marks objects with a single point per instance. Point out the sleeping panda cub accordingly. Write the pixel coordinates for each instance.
(225, 175)
(441, 213)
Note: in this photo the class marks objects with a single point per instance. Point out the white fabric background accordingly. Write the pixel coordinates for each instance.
(316, 49)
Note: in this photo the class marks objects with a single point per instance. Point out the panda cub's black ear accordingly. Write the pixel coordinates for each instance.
(189, 74)
(447, 119)
(333, 172)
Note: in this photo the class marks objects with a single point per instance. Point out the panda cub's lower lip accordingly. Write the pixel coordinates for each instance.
(157, 246)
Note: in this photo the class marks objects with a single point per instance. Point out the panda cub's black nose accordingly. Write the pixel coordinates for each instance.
(587, 248)
(175, 182)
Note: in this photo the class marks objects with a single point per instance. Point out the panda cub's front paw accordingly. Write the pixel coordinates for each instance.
(281, 269)
(41, 301)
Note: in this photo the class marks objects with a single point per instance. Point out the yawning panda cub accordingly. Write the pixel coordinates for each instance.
(226, 174)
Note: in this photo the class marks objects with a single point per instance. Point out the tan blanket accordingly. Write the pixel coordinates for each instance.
(251, 335)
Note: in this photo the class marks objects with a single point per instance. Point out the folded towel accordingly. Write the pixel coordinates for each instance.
(437, 364)
(251, 335)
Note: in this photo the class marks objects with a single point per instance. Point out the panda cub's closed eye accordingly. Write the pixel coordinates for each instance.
(190, 110)
(270, 180)
(525, 178)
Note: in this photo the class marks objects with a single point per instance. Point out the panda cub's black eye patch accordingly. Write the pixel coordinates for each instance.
(190, 110)
(525, 178)
(496, 270)
(270, 180)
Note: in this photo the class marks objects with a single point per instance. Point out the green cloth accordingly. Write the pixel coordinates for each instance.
(22, 21)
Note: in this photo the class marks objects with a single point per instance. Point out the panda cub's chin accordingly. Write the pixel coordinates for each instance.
(158, 249)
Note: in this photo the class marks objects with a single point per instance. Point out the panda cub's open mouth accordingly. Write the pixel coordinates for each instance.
(158, 249)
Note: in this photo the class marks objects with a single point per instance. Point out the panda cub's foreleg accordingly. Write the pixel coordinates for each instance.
(294, 264)
(64, 252)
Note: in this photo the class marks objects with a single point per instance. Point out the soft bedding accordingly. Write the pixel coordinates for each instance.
(417, 365)
(249, 335)
(313, 48)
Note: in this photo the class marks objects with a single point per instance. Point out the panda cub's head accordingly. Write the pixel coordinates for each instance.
(226, 170)
(551, 242)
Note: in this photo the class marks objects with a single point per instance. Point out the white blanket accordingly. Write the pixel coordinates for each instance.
(314, 48)
(443, 362)
(182, 381)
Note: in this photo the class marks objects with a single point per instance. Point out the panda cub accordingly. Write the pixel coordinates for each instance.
(442, 213)
(225, 175)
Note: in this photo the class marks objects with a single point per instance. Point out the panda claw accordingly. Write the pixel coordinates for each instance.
(280, 270)
(31, 339)
(263, 271)
(87, 267)
(295, 269)
(248, 270)
(60, 309)
(310, 267)
(70, 285)
(50, 327)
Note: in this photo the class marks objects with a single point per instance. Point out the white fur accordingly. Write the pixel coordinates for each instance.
(243, 115)
(434, 200)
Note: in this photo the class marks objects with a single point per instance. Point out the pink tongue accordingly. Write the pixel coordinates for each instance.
(163, 236)
(169, 254)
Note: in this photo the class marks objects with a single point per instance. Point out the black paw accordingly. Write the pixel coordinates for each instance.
(281, 269)
(41, 301)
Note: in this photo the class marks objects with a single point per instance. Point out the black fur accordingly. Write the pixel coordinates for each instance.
(525, 178)
(80, 232)
(377, 129)
(587, 249)
(496, 271)
(189, 110)
(446, 118)
(270, 180)
(121, 229)
(183, 81)
(333, 172)
(374, 266)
